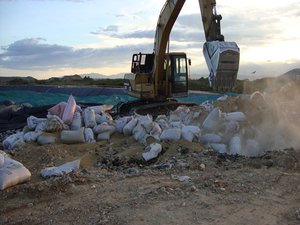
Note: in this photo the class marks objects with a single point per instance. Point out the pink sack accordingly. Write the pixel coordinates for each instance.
(69, 111)
(58, 109)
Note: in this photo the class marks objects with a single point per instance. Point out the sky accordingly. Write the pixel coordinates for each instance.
(50, 38)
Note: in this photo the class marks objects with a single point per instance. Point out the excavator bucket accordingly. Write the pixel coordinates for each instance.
(222, 59)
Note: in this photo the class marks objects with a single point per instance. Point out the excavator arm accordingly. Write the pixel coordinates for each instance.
(211, 21)
(166, 20)
(222, 58)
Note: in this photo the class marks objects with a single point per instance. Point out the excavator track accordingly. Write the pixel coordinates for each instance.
(143, 107)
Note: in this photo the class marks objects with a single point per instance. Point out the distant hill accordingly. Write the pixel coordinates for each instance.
(6, 79)
(97, 76)
(17, 80)
(293, 74)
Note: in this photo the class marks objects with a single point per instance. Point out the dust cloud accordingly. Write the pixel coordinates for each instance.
(275, 114)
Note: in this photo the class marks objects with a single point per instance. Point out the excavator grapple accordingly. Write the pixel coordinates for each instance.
(222, 59)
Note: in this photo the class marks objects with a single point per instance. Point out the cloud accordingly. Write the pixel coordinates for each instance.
(106, 30)
(34, 54)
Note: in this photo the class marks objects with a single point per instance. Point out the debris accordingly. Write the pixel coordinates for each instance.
(181, 178)
(155, 149)
(162, 165)
(60, 170)
(222, 98)
(202, 166)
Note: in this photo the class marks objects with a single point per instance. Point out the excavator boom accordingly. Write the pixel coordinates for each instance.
(166, 20)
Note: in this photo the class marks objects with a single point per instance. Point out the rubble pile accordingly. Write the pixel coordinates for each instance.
(225, 132)
(232, 125)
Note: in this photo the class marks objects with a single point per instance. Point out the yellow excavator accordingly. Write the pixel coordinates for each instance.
(161, 75)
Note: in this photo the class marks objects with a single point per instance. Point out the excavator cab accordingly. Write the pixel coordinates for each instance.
(140, 82)
(178, 78)
(142, 63)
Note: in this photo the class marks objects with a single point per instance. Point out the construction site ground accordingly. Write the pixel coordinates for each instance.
(115, 186)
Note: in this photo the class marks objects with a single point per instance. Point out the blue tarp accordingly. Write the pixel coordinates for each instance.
(14, 116)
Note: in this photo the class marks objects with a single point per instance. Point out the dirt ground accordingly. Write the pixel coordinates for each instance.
(115, 186)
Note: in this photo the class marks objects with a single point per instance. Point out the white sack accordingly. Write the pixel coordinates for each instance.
(101, 108)
(213, 120)
(139, 134)
(156, 129)
(68, 114)
(231, 127)
(148, 125)
(155, 149)
(33, 121)
(103, 117)
(31, 136)
(182, 113)
(235, 145)
(176, 124)
(1, 160)
(210, 138)
(12, 173)
(89, 135)
(13, 141)
(72, 136)
(235, 116)
(207, 106)
(222, 98)
(221, 148)
(127, 130)
(78, 109)
(60, 170)
(121, 122)
(163, 123)
(46, 139)
(171, 134)
(89, 118)
(144, 119)
(77, 121)
(103, 136)
(41, 126)
(104, 127)
(190, 132)
(53, 124)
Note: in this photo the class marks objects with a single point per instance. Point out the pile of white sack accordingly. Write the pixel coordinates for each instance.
(224, 132)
